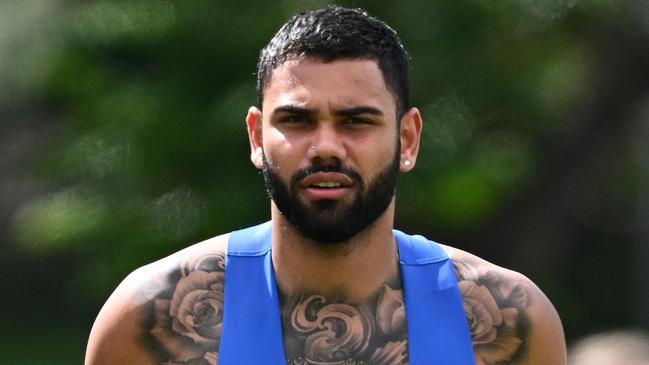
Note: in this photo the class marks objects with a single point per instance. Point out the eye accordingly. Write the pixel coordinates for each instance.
(357, 121)
(294, 119)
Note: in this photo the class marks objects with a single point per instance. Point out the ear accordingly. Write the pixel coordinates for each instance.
(410, 134)
(253, 122)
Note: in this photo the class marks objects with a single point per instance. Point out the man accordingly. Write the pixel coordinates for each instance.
(328, 280)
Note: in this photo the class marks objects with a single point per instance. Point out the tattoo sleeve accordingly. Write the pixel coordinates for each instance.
(184, 326)
(496, 311)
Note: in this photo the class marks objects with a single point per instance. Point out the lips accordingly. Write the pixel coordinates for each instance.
(327, 180)
(327, 185)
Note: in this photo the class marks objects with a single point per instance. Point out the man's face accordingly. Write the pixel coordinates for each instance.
(330, 146)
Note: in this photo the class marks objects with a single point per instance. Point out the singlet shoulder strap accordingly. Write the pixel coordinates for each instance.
(251, 241)
(417, 250)
(438, 333)
(252, 329)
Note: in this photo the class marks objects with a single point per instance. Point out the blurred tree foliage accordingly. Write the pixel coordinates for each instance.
(530, 153)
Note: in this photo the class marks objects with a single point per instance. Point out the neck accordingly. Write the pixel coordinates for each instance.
(353, 270)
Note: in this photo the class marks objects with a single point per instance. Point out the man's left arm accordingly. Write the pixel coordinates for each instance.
(510, 319)
(546, 344)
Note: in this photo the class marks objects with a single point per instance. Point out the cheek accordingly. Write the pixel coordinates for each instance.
(283, 154)
(375, 154)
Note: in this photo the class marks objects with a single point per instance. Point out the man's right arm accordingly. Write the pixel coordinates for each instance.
(117, 334)
(166, 312)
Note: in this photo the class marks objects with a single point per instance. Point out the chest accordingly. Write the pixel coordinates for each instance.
(313, 329)
(319, 330)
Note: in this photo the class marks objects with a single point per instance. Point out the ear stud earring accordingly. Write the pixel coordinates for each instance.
(406, 162)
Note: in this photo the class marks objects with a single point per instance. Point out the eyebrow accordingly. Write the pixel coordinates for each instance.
(349, 112)
(292, 109)
(345, 112)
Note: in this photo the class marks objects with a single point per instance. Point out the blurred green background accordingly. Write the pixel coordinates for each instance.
(122, 140)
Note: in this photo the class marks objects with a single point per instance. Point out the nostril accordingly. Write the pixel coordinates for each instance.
(328, 149)
(331, 163)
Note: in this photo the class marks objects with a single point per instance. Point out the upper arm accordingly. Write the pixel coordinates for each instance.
(510, 319)
(546, 341)
(116, 336)
(168, 312)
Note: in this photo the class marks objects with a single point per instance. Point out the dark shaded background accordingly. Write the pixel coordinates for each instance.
(122, 140)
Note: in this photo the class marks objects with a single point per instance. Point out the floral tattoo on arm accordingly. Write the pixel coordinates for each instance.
(186, 317)
(496, 311)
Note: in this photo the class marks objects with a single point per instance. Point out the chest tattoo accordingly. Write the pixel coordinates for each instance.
(319, 330)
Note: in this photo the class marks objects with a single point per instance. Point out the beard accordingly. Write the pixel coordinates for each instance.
(330, 221)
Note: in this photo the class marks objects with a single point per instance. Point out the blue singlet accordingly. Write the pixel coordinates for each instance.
(252, 330)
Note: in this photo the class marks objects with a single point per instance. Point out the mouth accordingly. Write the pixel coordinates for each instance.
(327, 185)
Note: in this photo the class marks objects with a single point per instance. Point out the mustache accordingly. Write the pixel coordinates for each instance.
(329, 167)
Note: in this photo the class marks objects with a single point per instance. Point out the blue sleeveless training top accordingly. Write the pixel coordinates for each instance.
(252, 328)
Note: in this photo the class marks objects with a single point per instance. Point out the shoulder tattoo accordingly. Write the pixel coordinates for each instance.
(496, 311)
(185, 319)
(321, 330)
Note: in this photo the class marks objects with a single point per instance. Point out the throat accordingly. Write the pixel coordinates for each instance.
(355, 269)
(355, 280)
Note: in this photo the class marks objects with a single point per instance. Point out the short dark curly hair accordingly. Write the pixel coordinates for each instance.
(335, 33)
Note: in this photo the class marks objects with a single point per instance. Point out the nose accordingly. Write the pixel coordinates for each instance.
(326, 145)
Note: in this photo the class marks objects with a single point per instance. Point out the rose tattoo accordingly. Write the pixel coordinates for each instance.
(495, 311)
(187, 324)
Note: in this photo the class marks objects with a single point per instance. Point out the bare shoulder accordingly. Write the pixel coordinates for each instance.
(511, 320)
(167, 312)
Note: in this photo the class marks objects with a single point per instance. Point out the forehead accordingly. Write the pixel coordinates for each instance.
(339, 83)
